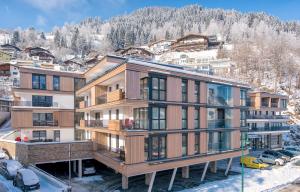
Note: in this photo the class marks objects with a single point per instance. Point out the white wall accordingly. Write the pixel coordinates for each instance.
(66, 134)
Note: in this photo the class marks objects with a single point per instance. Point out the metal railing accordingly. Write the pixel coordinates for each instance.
(45, 123)
(270, 128)
(218, 101)
(34, 104)
(268, 116)
(93, 123)
(219, 123)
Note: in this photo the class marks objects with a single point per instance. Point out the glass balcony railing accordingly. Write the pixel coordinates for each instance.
(218, 147)
(34, 104)
(268, 117)
(53, 123)
(219, 123)
(91, 123)
(218, 101)
(270, 128)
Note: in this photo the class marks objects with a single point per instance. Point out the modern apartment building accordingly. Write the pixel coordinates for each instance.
(144, 117)
(265, 119)
(43, 107)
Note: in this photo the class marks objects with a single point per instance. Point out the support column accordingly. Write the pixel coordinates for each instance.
(172, 179)
(213, 166)
(204, 171)
(148, 178)
(152, 181)
(228, 166)
(124, 182)
(185, 172)
(74, 166)
(79, 168)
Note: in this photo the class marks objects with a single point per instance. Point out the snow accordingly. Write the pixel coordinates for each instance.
(29, 177)
(13, 166)
(254, 180)
(89, 179)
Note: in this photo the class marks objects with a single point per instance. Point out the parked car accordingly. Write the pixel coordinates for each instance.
(286, 153)
(9, 168)
(270, 159)
(253, 162)
(277, 155)
(294, 150)
(26, 180)
(88, 168)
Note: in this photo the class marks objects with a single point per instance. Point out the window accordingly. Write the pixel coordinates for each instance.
(158, 89)
(117, 86)
(196, 119)
(38, 81)
(56, 83)
(146, 148)
(243, 118)
(184, 90)
(140, 116)
(39, 135)
(197, 143)
(42, 119)
(197, 91)
(42, 101)
(144, 88)
(267, 112)
(283, 103)
(184, 118)
(184, 144)
(109, 114)
(109, 89)
(158, 118)
(56, 136)
(157, 147)
(117, 114)
(243, 97)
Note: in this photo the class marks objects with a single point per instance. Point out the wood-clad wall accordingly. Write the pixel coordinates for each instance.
(174, 89)
(174, 145)
(49, 81)
(191, 143)
(236, 113)
(26, 80)
(191, 117)
(203, 142)
(174, 117)
(203, 117)
(66, 119)
(134, 149)
(66, 84)
(235, 139)
(236, 96)
(203, 92)
(21, 119)
(132, 85)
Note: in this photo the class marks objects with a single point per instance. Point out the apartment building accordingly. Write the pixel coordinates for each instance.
(144, 117)
(266, 121)
(43, 107)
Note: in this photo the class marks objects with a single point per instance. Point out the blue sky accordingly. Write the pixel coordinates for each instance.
(45, 14)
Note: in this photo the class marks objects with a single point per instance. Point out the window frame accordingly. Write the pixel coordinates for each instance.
(197, 91)
(56, 88)
(160, 147)
(38, 85)
(197, 119)
(184, 90)
(184, 144)
(197, 144)
(159, 118)
(159, 90)
(184, 119)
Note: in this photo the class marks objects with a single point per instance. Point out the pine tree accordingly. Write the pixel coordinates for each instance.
(15, 38)
(74, 41)
(167, 35)
(57, 39)
(42, 36)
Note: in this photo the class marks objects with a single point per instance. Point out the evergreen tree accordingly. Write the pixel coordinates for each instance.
(74, 41)
(57, 39)
(42, 36)
(15, 38)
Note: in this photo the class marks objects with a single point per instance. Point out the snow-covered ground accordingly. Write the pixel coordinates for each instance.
(254, 180)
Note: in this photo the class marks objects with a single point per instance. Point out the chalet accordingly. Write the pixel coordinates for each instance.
(161, 46)
(4, 56)
(191, 42)
(11, 49)
(135, 52)
(39, 54)
(74, 64)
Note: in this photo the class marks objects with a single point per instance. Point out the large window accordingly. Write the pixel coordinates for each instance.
(157, 147)
(243, 118)
(39, 135)
(140, 118)
(158, 88)
(42, 101)
(197, 91)
(56, 83)
(158, 118)
(243, 97)
(196, 118)
(197, 143)
(184, 90)
(38, 81)
(184, 118)
(56, 135)
(144, 88)
(218, 141)
(283, 103)
(219, 95)
(184, 144)
(42, 119)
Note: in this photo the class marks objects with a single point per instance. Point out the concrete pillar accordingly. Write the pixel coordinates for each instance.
(80, 168)
(124, 182)
(213, 166)
(148, 178)
(185, 172)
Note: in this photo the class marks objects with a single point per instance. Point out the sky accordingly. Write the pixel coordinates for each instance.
(46, 14)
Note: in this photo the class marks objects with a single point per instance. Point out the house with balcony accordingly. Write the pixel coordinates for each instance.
(144, 117)
(266, 121)
(43, 106)
(161, 46)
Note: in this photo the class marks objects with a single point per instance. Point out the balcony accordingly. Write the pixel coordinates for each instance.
(82, 104)
(265, 103)
(268, 117)
(91, 123)
(115, 95)
(53, 123)
(217, 101)
(219, 123)
(275, 105)
(115, 125)
(270, 128)
(34, 104)
(114, 153)
(101, 99)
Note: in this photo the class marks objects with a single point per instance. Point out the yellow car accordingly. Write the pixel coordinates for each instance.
(253, 162)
